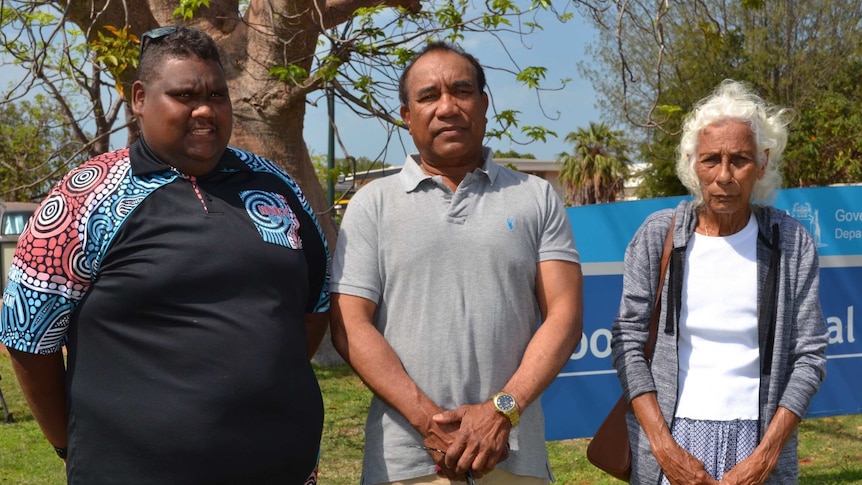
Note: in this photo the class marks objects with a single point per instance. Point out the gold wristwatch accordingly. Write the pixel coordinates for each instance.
(505, 404)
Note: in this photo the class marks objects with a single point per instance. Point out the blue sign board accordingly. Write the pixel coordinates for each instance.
(587, 387)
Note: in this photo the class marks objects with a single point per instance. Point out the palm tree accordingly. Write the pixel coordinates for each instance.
(597, 170)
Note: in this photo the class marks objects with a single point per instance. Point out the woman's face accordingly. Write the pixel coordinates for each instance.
(726, 165)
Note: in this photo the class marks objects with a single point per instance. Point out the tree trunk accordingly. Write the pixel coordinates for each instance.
(268, 114)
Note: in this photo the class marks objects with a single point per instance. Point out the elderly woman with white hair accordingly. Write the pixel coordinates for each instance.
(740, 346)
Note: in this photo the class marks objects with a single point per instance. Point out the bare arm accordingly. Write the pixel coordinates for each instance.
(756, 468)
(363, 347)
(678, 465)
(484, 432)
(43, 383)
(559, 291)
(315, 328)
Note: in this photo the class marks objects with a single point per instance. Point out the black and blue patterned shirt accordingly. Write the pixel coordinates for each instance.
(181, 301)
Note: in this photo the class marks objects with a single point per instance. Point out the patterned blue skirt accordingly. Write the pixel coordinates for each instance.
(720, 445)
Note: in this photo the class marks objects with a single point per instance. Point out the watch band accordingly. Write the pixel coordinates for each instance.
(511, 411)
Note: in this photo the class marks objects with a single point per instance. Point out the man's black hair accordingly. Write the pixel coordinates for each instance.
(164, 43)
(440, 46)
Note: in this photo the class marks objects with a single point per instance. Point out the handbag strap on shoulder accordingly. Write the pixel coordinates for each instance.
(656, 310)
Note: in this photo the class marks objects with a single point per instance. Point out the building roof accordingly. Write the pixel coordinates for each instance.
(546, 169)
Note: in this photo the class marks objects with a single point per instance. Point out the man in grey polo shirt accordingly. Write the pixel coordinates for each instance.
(442, 276)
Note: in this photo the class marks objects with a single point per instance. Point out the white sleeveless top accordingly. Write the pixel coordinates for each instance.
(719, 358)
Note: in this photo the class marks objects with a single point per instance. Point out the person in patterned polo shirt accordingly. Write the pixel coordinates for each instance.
(188, 281)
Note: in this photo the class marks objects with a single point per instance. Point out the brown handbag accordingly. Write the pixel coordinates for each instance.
(609, 450)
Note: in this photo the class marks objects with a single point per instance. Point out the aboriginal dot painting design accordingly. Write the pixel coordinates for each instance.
(275, 222)
(260, 164)
(59, 253)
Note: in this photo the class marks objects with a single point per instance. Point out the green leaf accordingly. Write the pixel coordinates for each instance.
(532, 76)
(290, 74)
(188, 8)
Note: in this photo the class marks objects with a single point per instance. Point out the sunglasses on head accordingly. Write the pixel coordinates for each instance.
(153, 35)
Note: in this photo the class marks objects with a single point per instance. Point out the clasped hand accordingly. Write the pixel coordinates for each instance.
(681, 468)
(474, 437)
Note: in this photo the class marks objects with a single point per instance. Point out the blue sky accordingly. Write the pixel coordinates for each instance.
(559, 48)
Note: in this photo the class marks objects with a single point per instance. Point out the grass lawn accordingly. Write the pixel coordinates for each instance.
(830, 451)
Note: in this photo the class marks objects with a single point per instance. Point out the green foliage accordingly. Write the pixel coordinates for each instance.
(291, 74)
(507, 117)
(117, 51)
(802, 55)
(828, 128)
(450, 15)
(187, 8)
(35, 145)
(532, 76)
(401, 56)
(365, 85)
(328, 69)
(537, 133)
(364, 16)
(344, 168)
(14, 19)
(30, 17)
(658, 176)
(53, 59)
(323, 172)
(494, 22)
(502, 7)
(597, 170)
(513, 154)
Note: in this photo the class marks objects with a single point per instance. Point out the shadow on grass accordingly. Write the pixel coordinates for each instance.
(17, 418)
(333, 372)
(832, 426)
(832, 477)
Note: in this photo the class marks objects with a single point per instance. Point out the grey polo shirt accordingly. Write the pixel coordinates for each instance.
(453, 275)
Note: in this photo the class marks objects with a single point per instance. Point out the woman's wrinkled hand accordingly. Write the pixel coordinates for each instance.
(681, 468)
(750, 471)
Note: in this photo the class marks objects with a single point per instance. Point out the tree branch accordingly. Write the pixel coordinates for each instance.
(339, 11)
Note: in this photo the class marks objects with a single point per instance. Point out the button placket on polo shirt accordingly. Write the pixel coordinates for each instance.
(464, 198)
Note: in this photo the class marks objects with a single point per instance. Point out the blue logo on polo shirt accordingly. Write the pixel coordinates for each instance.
(273, 217)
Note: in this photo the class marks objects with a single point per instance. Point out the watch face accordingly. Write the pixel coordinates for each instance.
(505, 402)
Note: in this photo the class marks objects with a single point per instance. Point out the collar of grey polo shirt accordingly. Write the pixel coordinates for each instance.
(412, 175)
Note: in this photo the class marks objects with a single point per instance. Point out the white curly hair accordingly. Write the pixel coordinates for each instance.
(732, 100)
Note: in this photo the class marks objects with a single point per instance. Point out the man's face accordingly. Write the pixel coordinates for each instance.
(445, 109)
(726, 165)
(185, 114)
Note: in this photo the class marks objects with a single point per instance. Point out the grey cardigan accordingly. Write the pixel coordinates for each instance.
(793, 362)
